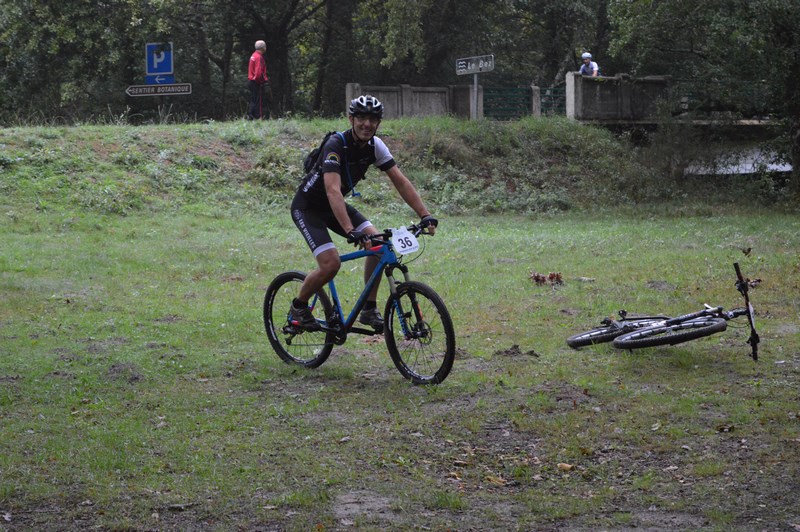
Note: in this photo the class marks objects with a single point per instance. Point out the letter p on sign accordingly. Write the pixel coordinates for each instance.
(158, 58)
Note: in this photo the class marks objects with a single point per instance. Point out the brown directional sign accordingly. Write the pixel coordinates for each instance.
(174, 89)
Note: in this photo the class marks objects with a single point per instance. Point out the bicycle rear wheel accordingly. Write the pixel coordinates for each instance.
(671, 334)
(606, 333)
(293, 346)
(419, 333)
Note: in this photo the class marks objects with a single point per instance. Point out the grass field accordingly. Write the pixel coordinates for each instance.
(138, 390)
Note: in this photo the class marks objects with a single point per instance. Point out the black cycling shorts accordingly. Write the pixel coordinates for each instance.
(314, 224)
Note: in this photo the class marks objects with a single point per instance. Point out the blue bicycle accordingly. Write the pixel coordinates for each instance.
(418, 330)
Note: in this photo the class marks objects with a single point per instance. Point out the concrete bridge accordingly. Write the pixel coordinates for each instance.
(621, 100)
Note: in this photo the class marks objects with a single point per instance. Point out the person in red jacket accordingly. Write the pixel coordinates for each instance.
(257, 79)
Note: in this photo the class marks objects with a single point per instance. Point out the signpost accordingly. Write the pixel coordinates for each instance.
(475, 65)
(159, 90)
(160, 73)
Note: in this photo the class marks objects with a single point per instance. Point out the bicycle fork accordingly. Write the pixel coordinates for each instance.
(419, 330)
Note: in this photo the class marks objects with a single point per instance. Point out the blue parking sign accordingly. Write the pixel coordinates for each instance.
(158, 58)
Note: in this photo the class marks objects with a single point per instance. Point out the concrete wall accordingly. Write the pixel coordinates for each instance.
(620, 98)
(405, 100)
(602, 99)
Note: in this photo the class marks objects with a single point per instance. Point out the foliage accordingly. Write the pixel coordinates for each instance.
(71, 62)
(718, 51)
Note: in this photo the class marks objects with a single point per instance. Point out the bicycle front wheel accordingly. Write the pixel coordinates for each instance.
(671, 334)
(606, 333)
(293, 346)
(419, 333)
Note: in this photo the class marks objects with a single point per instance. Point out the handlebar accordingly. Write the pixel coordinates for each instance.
(385, 237)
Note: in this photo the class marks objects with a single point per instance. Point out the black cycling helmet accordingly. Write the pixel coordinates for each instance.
(366, 105)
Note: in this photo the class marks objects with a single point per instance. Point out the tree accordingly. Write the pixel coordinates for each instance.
(560, 32)
(721, 49)
(418, 41)
(335, 63)
(61, 57)
(278, 29)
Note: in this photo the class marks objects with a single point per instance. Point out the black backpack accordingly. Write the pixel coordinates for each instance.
(312, 159)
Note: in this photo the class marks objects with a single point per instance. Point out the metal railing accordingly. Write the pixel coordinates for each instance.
(506, 103)
(554, 100)
(510, 103)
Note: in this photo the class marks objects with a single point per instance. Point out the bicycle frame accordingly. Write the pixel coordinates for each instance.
(714, 312)
(387, 262)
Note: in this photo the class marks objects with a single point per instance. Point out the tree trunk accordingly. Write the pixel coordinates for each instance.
(280, 76)
(225, 68)
(325, 52)
(336, 66)
(204, 70)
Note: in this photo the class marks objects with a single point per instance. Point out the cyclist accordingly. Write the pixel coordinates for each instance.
(589, 67)
(319, 205)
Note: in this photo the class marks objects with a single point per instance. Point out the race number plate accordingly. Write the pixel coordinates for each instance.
(404, 242)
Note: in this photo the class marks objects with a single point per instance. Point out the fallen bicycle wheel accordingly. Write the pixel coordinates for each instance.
(671, 334)
(606, 333)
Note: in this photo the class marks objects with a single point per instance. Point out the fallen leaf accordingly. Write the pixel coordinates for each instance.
(553, 278)
(498, 481)
(565, 467)
(180, 507)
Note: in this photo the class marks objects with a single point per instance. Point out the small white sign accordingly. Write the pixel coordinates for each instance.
(404, 242)
(174, 89)
(475, 65)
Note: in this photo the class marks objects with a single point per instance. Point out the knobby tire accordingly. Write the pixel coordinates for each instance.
(306, 348)
(424, 352)
(671, 334)
(606, 333)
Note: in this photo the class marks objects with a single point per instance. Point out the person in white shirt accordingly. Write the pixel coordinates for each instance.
(589, 67)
